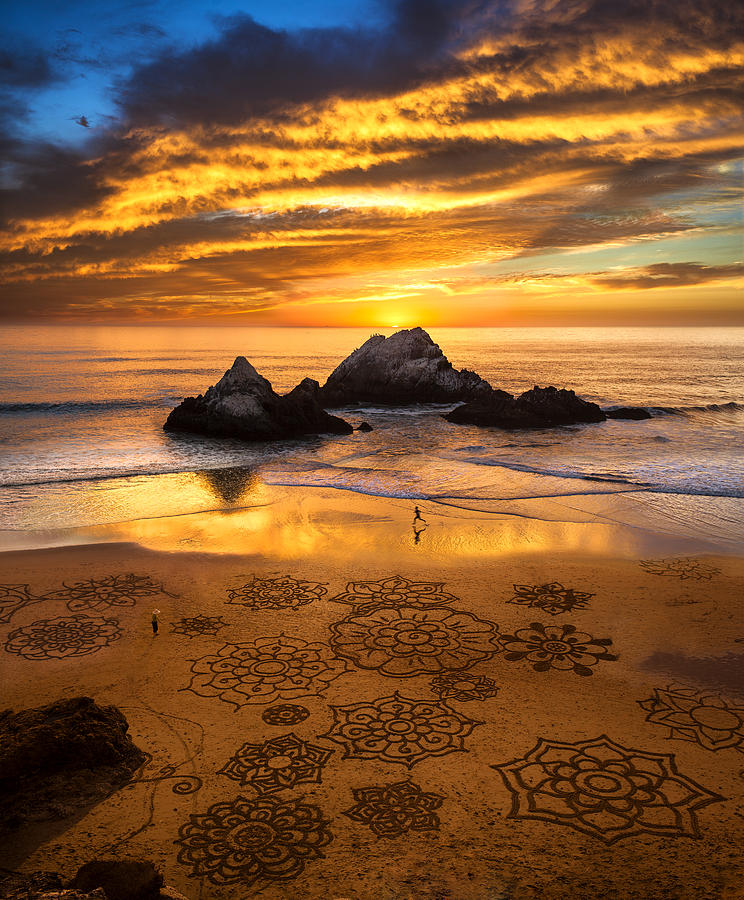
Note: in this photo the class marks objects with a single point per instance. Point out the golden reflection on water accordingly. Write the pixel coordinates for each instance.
(339, 527)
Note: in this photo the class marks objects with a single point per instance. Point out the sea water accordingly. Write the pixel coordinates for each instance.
(82, 409)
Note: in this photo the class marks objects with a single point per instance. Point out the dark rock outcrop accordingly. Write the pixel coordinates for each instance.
(537, 408)
(365, 426)
(407, 367)
(121, 879)
(628, 412)
(243, 404)
(59, 758)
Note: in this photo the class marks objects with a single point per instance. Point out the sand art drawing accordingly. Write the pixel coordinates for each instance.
(181, 783)
(111, 590)
(686, 568)
(552, 598)
(399, 729)
(395, 809)
(283, 592)
(199, 626)
(463, 687)
(265, 670)
(702, 717)
(285, 714)
(244, 840)
(405, 641)
(559, 647)
(604, 790)
(276, 764)
(63, 637)
(366, 596)
(14, 597)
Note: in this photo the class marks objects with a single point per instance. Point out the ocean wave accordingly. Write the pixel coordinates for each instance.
(689, 411)
(83, 406)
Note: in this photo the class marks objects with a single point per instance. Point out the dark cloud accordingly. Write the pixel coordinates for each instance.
(252, 70)
(24, 66)
(666, 275)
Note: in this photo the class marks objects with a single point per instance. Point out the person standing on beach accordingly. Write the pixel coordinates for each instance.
(155, 614)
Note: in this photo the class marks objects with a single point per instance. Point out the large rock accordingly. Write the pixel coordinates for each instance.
(243, 404)
(58, 758)
(407, 367)
(538, 408)
(121, 879)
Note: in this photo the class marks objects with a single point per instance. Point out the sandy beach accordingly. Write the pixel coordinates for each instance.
(498, 706)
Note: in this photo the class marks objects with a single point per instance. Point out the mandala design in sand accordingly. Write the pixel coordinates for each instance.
(284, 592)
(241, 841)
(285, 714)
(685, 568)
(394, 809)
(111, 590)
(366, 596)
(463, 687)
(265, 670)
(399, 729)
(276, 764)
(701, 717)
(14, 597)
(552, 598)
(559, 647)
(198, 626)
(406, 641)
(63, 637)
(604, 790)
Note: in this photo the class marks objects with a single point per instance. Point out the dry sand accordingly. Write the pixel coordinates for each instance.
(621, 764)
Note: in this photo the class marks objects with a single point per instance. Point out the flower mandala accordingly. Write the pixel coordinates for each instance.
(366, 596)
(112, 590)
(556, 647)
(198, 625)
(604, 790)
(265, 670)
(284, 592)
(63, 637)
(553, 598)
(279, 763)
(398, 729)
(703, 718)
(285, 714)
(406, 641)
(14, 597)
(242, 840)
(463, 687)
(394, 809)
(685, 568)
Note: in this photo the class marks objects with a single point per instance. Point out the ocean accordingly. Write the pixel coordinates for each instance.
(82, 409)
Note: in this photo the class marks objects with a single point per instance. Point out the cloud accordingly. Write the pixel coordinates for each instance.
(665, 275)
(267, 167)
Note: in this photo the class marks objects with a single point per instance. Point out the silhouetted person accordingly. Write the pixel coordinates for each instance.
(418, 517)
(155, 621)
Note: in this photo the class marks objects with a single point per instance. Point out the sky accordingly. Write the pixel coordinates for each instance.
(382, 162)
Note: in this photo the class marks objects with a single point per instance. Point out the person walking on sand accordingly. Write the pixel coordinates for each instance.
(155, 614)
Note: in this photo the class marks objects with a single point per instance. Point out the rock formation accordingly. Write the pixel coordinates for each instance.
(537, 408)
(243, 404)
(58, 758)
(407, 367)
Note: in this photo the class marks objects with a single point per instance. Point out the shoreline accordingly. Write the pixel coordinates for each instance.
(306, 574)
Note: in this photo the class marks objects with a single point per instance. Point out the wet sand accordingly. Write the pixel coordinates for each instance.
(335, 707)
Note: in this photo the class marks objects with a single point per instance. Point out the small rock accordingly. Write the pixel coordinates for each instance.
(628, 412)
(365, 426)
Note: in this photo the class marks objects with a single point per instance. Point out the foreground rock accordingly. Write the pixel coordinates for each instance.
(407, 367)
(243, 404)
(537, 408)
(100, 879)
(57, 759)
